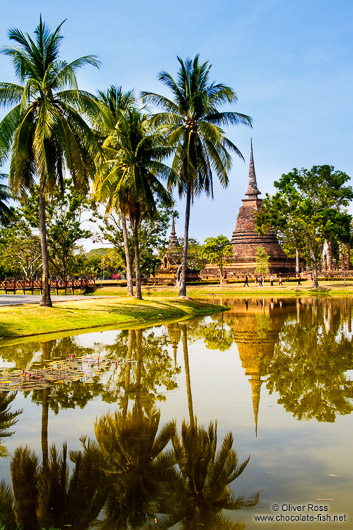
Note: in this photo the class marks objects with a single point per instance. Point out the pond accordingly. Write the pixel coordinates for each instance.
(154, 427)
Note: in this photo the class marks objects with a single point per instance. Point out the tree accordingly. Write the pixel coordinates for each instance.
(20, 254)
(193, 126)
(65, 212)
(217, 250)
(127, 177)
(152, 235)
(309, 203)
(113, 103)
(5, 194)
(262, 261)
(44, 132)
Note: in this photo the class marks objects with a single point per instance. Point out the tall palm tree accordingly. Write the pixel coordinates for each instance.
(112, 105)
(5, 195)
(44, 132)
(193, 125)
(128, 176)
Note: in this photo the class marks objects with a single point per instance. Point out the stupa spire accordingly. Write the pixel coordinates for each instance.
(253, 190)
(173, 240)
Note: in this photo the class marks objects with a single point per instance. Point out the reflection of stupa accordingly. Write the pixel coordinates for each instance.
(174, 337)
(256, 325)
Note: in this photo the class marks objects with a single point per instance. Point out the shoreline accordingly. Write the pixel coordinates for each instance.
(23, 321)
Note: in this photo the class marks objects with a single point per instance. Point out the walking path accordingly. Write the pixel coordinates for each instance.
(18, 299)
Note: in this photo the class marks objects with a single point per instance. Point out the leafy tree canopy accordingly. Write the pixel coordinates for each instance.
(262, 261)
(309, 208)
(217, 250)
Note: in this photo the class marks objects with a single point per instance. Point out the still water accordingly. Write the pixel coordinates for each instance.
(154, 427)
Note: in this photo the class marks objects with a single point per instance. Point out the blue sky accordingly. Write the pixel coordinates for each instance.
(290, 62)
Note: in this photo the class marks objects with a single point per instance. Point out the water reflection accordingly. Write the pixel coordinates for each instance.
(7, 418)
(130, 479)
(309, 364)
(162, 472)
(45, 495)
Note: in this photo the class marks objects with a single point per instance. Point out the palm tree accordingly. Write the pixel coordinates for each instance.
(127, 177)
(112, 104)
(5, 195)
(193, 125)
(45, 132)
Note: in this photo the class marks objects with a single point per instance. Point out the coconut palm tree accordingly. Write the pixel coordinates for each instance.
(44, 133)
(127, 177)
(112, 104)
(193, 125)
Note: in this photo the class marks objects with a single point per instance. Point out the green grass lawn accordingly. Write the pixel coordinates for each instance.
(26, 320)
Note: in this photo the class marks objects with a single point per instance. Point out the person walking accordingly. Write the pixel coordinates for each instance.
(279, 280)
(299, 282)
(261, 281)
(246, 281)
(271, 280)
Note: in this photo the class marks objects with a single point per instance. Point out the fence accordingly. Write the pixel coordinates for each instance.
(55, 285)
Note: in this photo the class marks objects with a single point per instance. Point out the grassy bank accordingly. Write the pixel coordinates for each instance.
(28, 320)
(330, 288)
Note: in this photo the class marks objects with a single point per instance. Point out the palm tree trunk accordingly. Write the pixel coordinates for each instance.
(45, 299)
(138, 293)
(130, 287)
(184, 269)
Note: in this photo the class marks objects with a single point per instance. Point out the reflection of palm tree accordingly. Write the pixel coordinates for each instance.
(46, 348)
(45, 496)
(205, 474)
(187, 373)
(7, 418)
(137, 466)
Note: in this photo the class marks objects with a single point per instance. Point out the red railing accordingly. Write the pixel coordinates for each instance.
(56, 285)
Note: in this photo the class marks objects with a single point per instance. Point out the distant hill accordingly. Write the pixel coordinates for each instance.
(97, 252)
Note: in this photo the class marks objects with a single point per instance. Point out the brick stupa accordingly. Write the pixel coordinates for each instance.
(245, 240)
